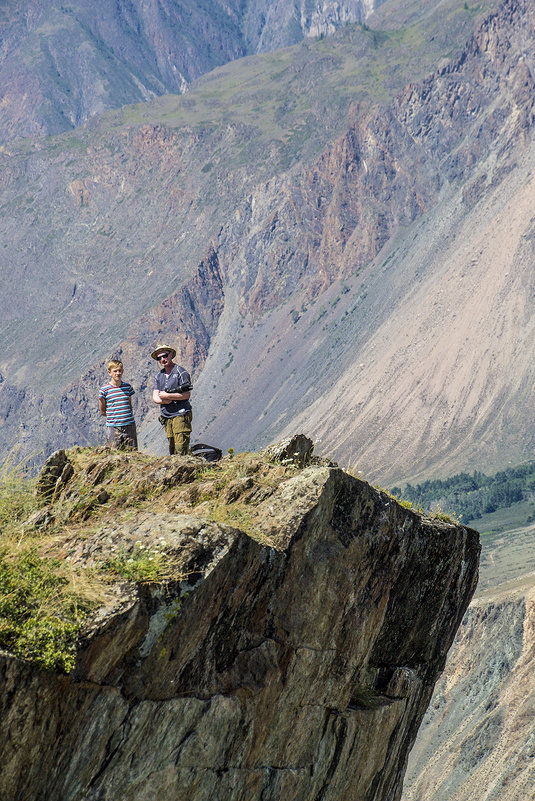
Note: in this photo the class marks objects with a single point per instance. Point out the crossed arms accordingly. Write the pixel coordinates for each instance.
(163, 398)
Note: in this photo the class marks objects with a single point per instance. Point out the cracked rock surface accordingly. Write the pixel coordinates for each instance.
(298, 672)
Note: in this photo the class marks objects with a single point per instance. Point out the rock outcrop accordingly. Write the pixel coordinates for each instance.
(294, 661)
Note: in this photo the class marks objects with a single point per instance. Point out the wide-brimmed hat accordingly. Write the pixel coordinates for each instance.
(163, 349)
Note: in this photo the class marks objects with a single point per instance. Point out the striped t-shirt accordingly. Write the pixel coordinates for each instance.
(117, 399)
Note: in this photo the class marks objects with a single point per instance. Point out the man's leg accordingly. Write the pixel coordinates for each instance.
(182, 432)
(170, 435)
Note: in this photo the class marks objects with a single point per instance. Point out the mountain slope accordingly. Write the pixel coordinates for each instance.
(182, 200)
(62, 63)
(416, 224)
(476, 741)
(420, 363)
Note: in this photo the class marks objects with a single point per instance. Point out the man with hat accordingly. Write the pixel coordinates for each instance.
(172, 390)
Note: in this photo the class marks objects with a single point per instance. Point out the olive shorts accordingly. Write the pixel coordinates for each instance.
(178, 430)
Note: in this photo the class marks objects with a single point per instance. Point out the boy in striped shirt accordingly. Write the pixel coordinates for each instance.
(115, 402)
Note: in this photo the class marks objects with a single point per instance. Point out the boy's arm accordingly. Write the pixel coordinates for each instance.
(102, 406)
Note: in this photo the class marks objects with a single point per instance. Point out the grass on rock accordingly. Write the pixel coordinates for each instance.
(47, 591)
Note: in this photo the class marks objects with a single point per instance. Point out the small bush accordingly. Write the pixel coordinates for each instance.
(39, 620)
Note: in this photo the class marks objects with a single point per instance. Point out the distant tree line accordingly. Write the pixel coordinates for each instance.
(469, 496)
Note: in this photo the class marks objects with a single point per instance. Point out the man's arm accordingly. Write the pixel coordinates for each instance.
(167, 397)
(156, 396)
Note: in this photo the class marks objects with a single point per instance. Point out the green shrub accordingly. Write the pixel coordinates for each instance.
(39, 620)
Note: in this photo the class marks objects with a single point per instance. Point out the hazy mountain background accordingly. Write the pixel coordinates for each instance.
(63, 62)
(477, 737)
(337, 235)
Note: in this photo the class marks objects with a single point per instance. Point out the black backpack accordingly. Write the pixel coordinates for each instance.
(207, 452)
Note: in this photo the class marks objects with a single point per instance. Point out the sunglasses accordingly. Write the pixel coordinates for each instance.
(163, 356)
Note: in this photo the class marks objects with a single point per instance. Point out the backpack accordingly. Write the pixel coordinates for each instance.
(208, 452)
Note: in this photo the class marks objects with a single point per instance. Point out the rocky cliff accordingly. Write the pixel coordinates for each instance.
(290, 652)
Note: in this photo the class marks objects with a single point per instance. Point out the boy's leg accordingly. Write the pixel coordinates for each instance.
(130, 436)
(122, 436)
(182, 432)
(114, 437)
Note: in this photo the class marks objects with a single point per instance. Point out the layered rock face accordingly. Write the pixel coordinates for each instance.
(297, 665)
(268, 25)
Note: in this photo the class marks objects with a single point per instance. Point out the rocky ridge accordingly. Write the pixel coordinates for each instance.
(295, 660)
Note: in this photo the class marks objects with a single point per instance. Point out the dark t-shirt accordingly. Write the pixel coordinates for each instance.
(178, 380)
